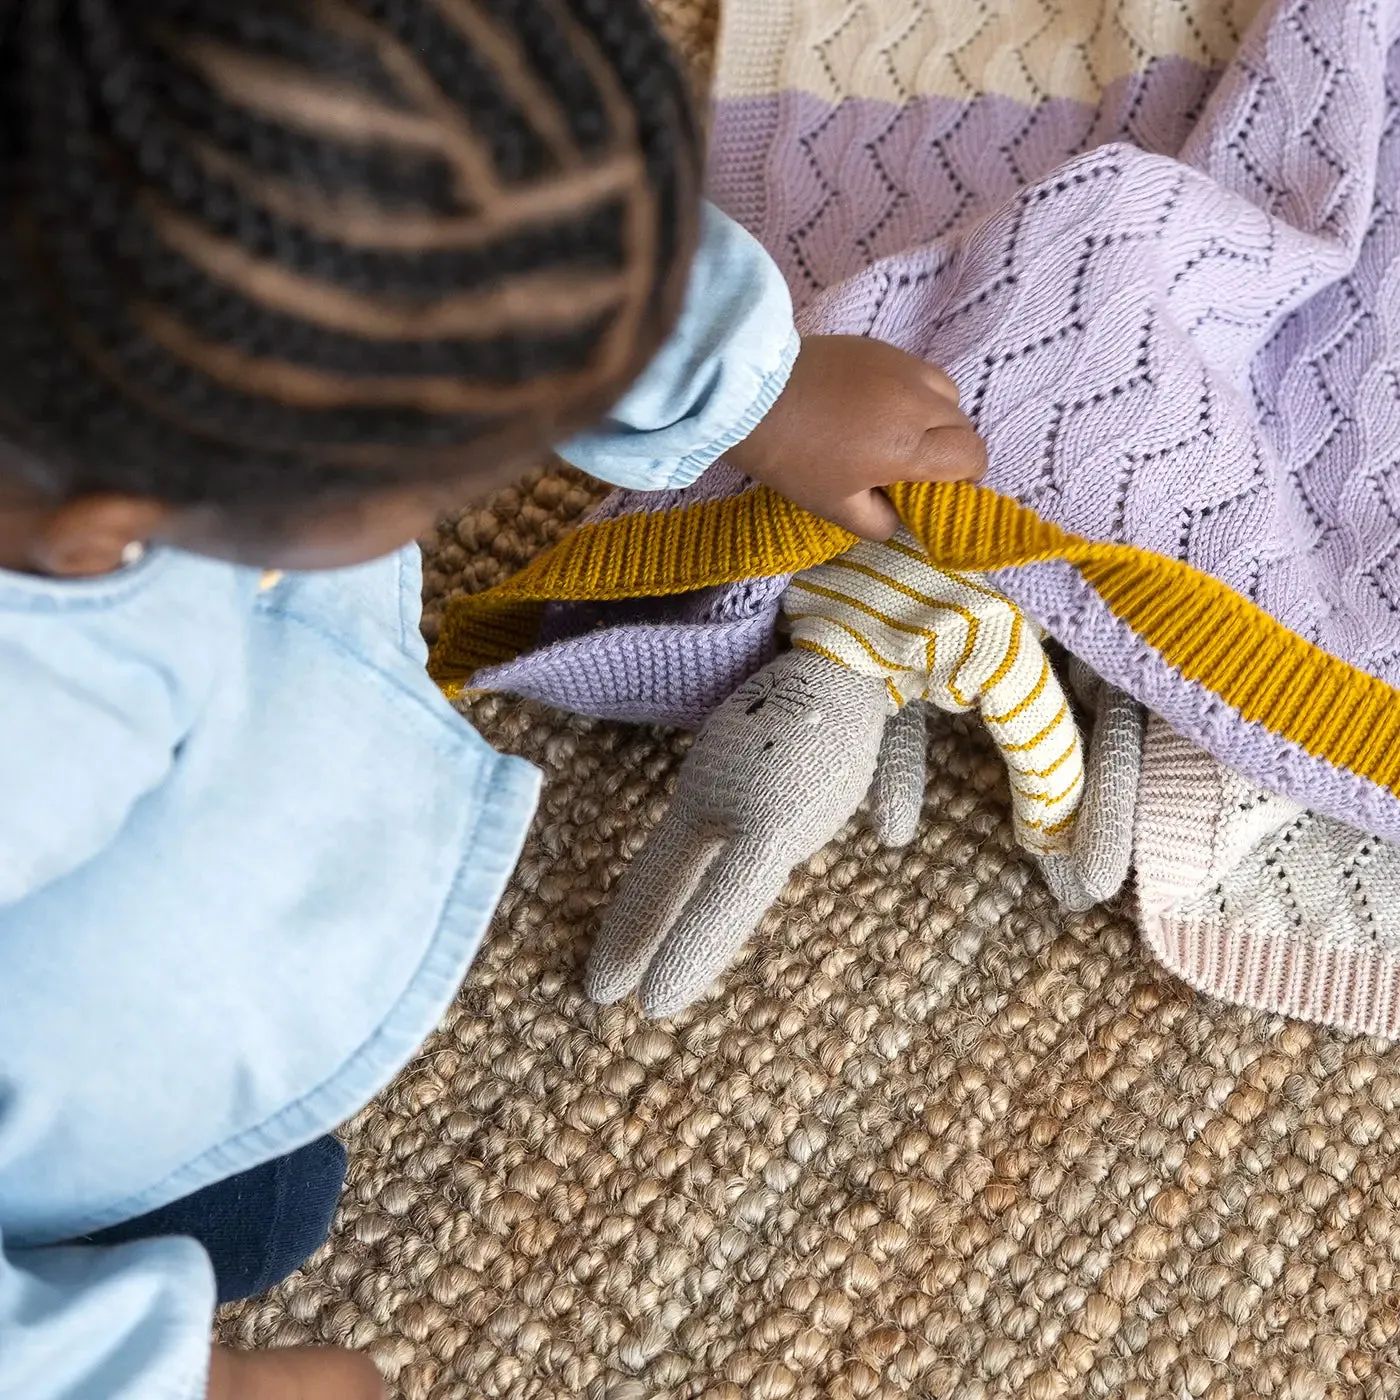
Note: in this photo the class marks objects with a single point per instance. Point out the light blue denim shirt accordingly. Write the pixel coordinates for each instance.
(247, 853)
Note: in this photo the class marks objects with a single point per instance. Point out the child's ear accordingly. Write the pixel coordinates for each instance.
(95, 534)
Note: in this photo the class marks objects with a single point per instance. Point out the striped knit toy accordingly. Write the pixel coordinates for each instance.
(949, 638)
(782, 765)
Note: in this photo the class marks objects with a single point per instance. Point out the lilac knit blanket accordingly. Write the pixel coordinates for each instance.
(1157, 246)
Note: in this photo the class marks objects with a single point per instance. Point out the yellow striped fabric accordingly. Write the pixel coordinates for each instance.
(947, 637)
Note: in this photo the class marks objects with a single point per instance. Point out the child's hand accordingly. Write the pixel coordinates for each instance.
(857, 415)
(296, 1373)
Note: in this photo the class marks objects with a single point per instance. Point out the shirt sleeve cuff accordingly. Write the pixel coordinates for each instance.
(707, 388)
(661, 475)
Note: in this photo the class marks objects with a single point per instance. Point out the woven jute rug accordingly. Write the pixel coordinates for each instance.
(931, 1138)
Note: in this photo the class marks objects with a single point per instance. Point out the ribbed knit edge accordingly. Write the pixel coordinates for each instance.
(1177, 821)
(1351, 986)
(1345, 986)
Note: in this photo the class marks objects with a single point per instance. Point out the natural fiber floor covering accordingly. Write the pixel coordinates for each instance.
(930, 1140)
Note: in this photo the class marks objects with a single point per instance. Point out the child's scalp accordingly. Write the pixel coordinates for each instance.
(254, 238)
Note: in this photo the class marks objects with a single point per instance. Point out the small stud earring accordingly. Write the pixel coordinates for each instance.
(133, 553)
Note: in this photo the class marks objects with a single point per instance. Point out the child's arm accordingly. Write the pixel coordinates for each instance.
(83, 740)
(826, 420)
(727, 360)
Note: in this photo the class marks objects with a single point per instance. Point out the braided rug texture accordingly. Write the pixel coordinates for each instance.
(931, 1139)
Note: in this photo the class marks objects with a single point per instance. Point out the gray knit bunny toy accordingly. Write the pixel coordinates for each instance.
(1102, 852)
(776, 772)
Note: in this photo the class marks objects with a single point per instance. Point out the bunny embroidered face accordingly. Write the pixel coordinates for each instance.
(789, 689)
(794, 702)
(781, 727)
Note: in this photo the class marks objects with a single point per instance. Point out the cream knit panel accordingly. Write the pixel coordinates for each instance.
(1027, 50)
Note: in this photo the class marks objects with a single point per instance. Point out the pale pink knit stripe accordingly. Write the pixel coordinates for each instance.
(1344, 985)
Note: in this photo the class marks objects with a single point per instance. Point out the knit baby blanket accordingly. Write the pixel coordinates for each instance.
(1156, 244)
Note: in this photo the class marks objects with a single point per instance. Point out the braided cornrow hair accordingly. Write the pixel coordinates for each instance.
(263, 250)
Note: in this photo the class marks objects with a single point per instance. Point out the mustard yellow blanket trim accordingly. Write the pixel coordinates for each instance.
(754, 535)
(1204, 630)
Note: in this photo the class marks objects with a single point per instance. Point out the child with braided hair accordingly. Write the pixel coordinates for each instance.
(285, 279)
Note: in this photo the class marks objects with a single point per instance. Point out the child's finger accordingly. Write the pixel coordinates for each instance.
(293, 1373)
(868, 514)
(940, 381)
(949, 454)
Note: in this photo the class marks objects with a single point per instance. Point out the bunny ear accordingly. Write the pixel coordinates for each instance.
(651, 894)
(897, 795)
(732, 897)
